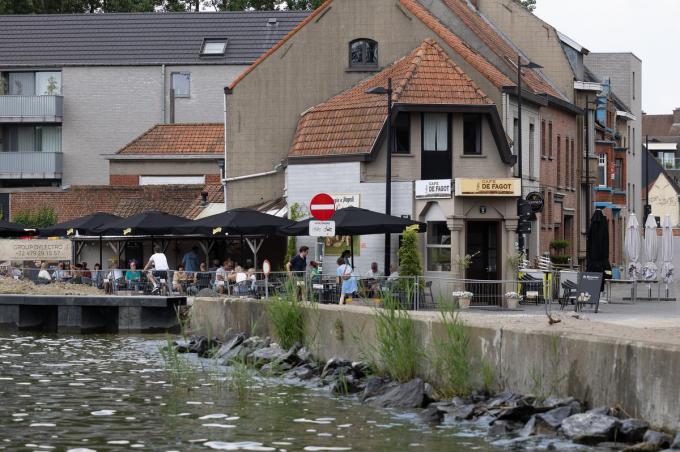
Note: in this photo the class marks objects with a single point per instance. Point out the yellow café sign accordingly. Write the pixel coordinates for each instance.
(487, 187)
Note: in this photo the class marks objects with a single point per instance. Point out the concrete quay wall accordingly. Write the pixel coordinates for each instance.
(637, 375)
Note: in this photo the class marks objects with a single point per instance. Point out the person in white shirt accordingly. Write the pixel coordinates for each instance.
(160, 267)
(374, 273)
(394, 273)
(223, 276)
(43, 274)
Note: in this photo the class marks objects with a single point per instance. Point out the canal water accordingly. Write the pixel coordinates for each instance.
(100, 393)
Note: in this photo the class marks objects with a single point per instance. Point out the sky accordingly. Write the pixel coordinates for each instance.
(648, 28)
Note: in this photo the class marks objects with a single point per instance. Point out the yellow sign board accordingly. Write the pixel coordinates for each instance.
(487, 187)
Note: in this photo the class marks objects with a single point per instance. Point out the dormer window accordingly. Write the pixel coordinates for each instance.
(213, 47)
(363, 53)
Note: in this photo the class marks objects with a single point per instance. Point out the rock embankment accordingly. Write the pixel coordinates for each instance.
(512, 420)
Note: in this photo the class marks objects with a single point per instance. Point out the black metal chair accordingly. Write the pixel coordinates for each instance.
(569, 294)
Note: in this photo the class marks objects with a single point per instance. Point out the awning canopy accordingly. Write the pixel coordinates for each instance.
(80, 226)
(145, 223)
(358, 221)
(236, 222)
(8, 229)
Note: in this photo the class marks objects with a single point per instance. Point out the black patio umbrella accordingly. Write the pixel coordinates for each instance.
(86, 225)
(597, 244)
(8, 229)
(357, 221)
(237, 222)
(145, 223)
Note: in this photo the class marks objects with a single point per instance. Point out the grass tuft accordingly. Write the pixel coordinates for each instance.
(287, 315)
(452, 361)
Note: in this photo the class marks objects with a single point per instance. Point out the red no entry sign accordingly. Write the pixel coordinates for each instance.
(322, 207)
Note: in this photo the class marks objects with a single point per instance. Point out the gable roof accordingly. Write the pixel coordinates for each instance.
(139, 38)
(502, 47)
(658, 125)
(178, 139)
(350, 123)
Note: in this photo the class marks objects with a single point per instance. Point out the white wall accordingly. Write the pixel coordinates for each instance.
(304, 181)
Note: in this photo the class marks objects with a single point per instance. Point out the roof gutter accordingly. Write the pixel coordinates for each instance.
(526, 95)
(563, 105)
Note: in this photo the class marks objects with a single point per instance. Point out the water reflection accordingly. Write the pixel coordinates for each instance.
(115, 393)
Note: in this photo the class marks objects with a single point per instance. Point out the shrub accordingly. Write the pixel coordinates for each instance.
(398, 351)
(295, 214)
(287, 315)
(559, 245)
(409, 257)
(41, 218)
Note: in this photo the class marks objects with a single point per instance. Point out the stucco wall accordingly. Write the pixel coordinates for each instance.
(664, 200)
(307, 70)
(107, 107)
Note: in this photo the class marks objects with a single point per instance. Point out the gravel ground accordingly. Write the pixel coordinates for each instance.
(12, 286)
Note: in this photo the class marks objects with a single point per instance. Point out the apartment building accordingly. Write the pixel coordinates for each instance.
(75, 89)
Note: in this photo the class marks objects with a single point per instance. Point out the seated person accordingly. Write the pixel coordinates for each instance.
(97, 276)
(86, 271)
(180, 279)
(76, 274)
(240, 280)
(373, 277)
(223, 275)
(44, 276)
(113, 279)
(394, 273)
(202, 277)
(314, 273)
(133, 277)
(61, 274)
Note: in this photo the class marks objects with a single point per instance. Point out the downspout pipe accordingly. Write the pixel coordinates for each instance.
(163, 94)
(227, 91)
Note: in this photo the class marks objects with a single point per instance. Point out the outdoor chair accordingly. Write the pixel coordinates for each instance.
(530, 284)
(426, 293)
(569, 294)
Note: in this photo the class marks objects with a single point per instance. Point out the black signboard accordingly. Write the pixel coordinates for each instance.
(588, 292)
(535, 200)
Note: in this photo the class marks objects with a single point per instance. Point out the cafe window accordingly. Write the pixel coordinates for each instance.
(402, 133)
(472, 134)
(438, 247)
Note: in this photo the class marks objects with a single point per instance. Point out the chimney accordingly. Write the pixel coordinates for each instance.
(676, 116)
(204, 199)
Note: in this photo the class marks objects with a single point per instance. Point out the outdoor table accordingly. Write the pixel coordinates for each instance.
(633, 290)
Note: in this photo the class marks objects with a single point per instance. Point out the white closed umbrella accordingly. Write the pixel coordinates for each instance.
(632, 246)
(651, 249)
(667, 251)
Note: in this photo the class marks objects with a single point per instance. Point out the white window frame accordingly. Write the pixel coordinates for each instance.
(444, 245)
(602, 165)
(209, 47)
(171, 180)
(188, 79)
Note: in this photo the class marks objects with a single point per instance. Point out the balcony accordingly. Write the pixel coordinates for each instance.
(31, 165)
(669, 163)
(17, 109)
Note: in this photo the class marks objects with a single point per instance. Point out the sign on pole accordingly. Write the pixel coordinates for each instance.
(322, 207)
(321, 228)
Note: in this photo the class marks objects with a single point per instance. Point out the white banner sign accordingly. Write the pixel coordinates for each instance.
(321, 228)
(346, 200)
(31, 250)
(435, 188)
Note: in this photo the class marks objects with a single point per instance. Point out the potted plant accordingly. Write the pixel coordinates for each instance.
(464, 297)
(464, 262)
(559, 247)
(511, 300)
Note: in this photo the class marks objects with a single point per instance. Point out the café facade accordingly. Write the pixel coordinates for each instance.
(452, 165)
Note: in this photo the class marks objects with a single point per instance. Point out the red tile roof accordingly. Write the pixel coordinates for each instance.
(178, 139)
(350, 122)
(500, 46)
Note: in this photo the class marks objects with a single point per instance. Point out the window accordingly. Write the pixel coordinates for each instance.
(618, 174)
(402, 133)
(472, 134)
(48, 83)
(567, 163)
(32, 139)
(602, 170)
(633, 198)
(436, 149)
(181, 83)
(515, 135)
(559, 161)
(633, 85)
(214, 47)
(634, 142)
(544, 150)
(550, 140)
(363, 53)
(435, 132)
(532, 131)
(438, 247)
(573, 165)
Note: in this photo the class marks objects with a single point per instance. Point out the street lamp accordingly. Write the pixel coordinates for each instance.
(529, 65)
(388, 166)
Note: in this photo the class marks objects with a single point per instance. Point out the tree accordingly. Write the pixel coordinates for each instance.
(409, 257)
(529, 5)
(41, 218)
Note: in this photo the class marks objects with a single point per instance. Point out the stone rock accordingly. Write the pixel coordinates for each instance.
(499, 428)
(230, 345)
(529, 428)
(458, 412)
(521, 409)
(266, 355)
(375, 386)
(346, 385)
(303, 373)
(554, 402)
(360, 369)
(676, 442)
(407, 395)
(590, 428)
(304, 354)
(431, 415)
(255, 342)
(551, 421)
(603, 410)
(291, 356)
(233, 354)
(633, 430)
(333, 364)
(503, 398)
(611, 445)
(660, 439)
(275, 367)
(642, 447)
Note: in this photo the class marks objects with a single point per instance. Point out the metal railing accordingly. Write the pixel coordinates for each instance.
(31, 165)
(20, 108)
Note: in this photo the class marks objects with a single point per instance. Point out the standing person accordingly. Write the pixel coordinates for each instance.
(314, 273)
(160, 267)
(97, 275)
(298, 264)
(191, 260)
(349, 284)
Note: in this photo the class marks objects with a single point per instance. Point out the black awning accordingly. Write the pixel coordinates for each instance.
(145, 223)
(8, 229)
(237, 222)
(82, 226)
